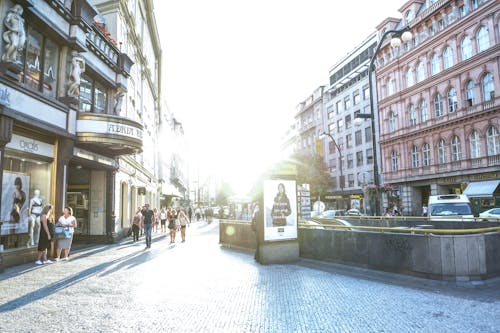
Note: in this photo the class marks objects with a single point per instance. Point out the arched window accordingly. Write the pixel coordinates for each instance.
(456, 149)
(452, 100)
(475, 145)
(414, 157)
(412, 115)
(438, 105)
(442, 152)
(392, 121)
(488, 87)
(448, 57)
(426, 154)
(390, 87)
(466, 48)
(435, 66)
(410, 80)
(469, 93)
(423, 111)
(492, 141)
(420, 71)
(483, 39)
(394, 160)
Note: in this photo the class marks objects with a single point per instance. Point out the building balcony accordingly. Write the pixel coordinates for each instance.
(108, 134)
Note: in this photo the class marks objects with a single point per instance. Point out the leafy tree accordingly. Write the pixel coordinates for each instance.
(312, 170)
(225, 191)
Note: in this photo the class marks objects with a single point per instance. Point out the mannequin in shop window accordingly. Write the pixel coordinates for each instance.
(36, 206)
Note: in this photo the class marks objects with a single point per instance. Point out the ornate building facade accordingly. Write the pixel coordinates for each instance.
(438, 109)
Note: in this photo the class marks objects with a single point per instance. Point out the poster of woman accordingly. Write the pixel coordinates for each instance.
(15, 205)
(280, 204)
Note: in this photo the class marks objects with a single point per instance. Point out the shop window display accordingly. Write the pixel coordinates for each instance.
(25, 189)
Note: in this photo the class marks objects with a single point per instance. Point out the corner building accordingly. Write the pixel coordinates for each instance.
(438, 106)
(62, 125)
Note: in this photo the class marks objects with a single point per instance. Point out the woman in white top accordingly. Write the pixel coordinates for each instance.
(67, 220)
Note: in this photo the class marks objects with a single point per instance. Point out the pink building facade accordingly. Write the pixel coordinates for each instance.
(437, 101)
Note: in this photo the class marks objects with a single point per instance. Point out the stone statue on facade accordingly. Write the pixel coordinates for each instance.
(15, 35)
(77, 68)
(118, 102)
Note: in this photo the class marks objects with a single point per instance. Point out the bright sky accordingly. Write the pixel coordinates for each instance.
(234, 71)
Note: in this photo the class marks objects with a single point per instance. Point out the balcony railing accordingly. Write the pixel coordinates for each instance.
(494, 160)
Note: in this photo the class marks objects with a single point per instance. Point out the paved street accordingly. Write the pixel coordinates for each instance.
(198, 286)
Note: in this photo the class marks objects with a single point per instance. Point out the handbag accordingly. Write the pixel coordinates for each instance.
(62, 233)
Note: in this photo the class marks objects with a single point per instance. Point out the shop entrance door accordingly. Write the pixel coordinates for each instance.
(78, 200)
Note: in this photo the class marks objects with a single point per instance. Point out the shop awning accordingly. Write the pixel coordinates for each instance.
(483, 189)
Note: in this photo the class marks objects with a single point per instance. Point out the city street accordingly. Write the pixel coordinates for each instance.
(199, 286)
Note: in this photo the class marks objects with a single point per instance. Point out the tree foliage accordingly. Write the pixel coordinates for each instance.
(225, 191)
(312, 170)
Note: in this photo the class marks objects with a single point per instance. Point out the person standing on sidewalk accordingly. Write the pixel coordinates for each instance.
(163, 220)
(136, 224)
(171, 224)
(184, 221)
(147, 222)
(67, 220)
(45, 235)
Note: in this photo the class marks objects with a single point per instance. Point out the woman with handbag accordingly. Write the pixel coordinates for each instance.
(68, 222)
(45, 235)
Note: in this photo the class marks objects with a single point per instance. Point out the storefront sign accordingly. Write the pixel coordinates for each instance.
(108, 127)
(31, 146)
(94, 157)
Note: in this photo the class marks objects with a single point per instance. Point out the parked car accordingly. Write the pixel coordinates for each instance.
(331, 213)
(492, 213)
(450, 207)
(354, 212)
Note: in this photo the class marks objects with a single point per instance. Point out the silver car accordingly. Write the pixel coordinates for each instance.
(493, 213)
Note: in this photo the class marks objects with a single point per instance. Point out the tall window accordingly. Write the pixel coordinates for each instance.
(338, 106)
(348, 140)
(366, 93)
(93, 95)
(347, 103)
(369, 156)
(483, 39)
(340, 125)
(390, 87)
(409, 77)
(394, 161)
(414, 157)
(359, 158)
(488, 87)
(438, 105)
(358, 138)
(420, 71)
(350, 161)
(368, 134)
(452, 100)
(423, 111)
(469, 93)
(40, 62)
(330, 112)
(426, 154)
(441, 151)
(466, 48)
(356, 98)
(475, 145)
(412, 115)
(348, 121)
(435, 65)
(392, 121)
(492, 141)
(448, 57)
(456, 149)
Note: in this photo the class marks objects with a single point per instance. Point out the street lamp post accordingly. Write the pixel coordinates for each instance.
(342, 181)
(406, 36)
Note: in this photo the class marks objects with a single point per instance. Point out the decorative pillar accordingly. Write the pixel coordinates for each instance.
(64, 153)
(110, 206)
(5, 137)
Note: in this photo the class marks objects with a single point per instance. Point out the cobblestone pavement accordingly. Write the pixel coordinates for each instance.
(198, 286)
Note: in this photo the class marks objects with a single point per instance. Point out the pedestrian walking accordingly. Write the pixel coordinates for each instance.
(147, 221)
(156, 219)
(46, 235)
(190, 213)
(135, 224)
(256, 225)
(163, 220)
(171, 224)
(67, 220)
(183, 221)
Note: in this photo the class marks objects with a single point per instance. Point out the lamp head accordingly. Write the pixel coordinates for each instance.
(358, 122)
(406, 36)
(395, 42)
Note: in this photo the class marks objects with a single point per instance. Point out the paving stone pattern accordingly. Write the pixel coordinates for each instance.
(199, 286)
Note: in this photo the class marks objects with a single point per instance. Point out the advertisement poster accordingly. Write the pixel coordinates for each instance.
(15, 203)
(280, 210)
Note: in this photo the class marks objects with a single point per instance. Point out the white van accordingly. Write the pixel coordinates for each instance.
(450, 207)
